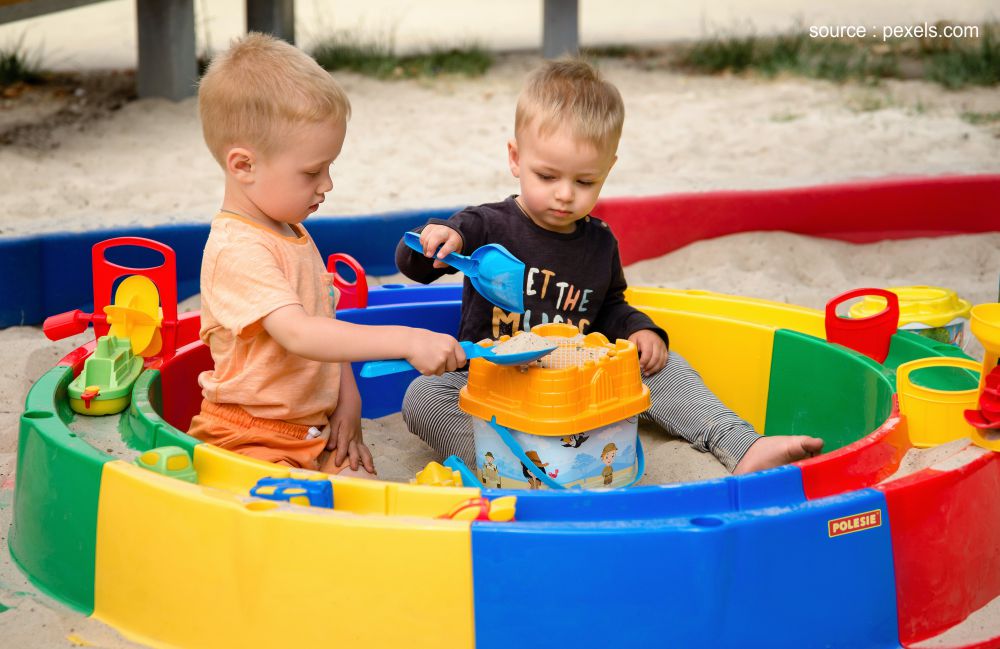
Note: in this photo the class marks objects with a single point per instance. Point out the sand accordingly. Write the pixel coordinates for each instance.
(440, 143)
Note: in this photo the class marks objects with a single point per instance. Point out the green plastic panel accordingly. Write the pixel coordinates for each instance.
(907, 346)
(143, 422)
(53, 536)
(825, 391)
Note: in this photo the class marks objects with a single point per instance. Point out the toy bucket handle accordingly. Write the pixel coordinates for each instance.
(353, 295)
(871, 335)
(518, 452)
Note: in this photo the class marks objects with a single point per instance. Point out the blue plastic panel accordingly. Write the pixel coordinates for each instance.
(388, 294)
(776, 487)
(383, 395)
(760, 578)
(48, 274)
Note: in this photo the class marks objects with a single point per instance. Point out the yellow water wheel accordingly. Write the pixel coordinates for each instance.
(136, 315)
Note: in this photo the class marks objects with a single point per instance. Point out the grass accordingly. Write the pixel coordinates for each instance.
(953, 63)
(977, 119)
(794, 53)
(18, 66)
(967, 63)
(378, 59)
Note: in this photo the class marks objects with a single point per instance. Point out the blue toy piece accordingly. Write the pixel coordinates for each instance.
(472, 350)
(314, 493)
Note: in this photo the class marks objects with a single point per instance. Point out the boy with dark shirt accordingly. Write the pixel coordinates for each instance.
(566, 132)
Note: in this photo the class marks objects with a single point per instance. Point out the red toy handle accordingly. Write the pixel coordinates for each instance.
(870, 336)
(353, 295)
(64, 325)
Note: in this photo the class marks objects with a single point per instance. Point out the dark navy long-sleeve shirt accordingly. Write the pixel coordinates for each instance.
(573, 277)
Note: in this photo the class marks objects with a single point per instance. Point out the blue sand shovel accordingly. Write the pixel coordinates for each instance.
(472, 350)
(495, 273)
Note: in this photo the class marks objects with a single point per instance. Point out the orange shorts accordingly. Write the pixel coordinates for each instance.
(234, 429)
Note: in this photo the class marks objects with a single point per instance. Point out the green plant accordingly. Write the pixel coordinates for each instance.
(967, 63)
(18, 65)
(721, 53)
(977, 119)
(610, 52)
(378, 58)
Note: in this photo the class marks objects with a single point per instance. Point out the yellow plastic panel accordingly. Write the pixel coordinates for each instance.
(738, 372)
(774, 315)
(419, 500)
(187, 566)
(238, 474)
(231, 471)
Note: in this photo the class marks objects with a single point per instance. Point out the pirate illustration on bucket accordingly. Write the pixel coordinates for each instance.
(533, 482)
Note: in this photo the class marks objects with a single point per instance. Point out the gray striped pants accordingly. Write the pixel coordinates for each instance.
(681, 404)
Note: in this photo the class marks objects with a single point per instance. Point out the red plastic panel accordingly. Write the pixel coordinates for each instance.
(78, 356)
(946, 545)
(179, 383)
(859, 212)
(858, 465)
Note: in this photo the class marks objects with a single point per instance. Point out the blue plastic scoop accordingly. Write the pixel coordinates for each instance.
(495, 273)
(472, 350)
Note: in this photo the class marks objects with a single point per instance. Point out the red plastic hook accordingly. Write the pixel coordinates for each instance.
(353, 295)
(870, 336)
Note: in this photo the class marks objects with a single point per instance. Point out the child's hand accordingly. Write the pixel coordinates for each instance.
(652, 351)
(346, 442)
(434, 237)
(434, 353)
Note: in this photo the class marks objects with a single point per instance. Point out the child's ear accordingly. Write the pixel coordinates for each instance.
(240, 164)
(513, 158)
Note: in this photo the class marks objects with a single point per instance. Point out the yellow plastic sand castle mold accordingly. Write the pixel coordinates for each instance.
(438, 475)
(559, 402)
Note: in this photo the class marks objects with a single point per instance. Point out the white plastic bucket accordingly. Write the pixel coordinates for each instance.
(952, 333)
(604, 457)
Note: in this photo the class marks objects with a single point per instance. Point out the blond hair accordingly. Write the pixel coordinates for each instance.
(259, 89)
(571, 90)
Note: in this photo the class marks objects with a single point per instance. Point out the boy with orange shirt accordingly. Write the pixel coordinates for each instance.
(275, 121)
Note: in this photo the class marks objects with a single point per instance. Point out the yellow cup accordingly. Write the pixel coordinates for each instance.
(935, 416)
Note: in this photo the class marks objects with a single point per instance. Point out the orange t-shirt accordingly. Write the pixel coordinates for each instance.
(247, 272)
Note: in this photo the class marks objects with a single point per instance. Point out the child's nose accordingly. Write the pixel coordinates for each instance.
(564, 192)
(326, 183)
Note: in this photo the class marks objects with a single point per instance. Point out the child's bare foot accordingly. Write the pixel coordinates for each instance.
(769, 452)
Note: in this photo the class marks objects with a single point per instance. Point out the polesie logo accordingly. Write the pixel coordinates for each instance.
(854, 523)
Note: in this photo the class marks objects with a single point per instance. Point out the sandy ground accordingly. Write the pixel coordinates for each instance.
(439, 143)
